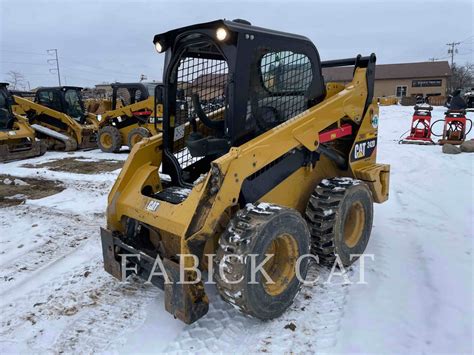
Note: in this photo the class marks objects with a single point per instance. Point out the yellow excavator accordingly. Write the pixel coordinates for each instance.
(268, 166)
(58, 116)
(17, 137)
(133, 116)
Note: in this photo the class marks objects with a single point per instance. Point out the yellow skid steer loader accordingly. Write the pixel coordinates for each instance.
(268, 164)
(132, 117)
(17, 138)
(59, 117)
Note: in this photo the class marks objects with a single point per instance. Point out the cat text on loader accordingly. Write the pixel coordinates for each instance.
(59, 117)
(285, 167)
(17, 138)
(132, 116)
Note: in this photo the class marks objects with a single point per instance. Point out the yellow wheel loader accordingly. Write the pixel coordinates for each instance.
(17, 138)
(132, 117)
(58, 116)
(267, 166)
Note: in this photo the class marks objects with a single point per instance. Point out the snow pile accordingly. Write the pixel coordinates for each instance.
(55, 296)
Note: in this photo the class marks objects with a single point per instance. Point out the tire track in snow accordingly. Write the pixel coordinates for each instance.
(316, 313)
(54, 243)
(90, 310)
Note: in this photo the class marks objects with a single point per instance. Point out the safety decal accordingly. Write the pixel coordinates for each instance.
(152, 205)
(375, 121)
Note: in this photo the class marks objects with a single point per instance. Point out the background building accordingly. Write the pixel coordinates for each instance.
(404, 79)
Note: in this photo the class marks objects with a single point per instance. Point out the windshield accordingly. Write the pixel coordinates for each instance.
(75, 107)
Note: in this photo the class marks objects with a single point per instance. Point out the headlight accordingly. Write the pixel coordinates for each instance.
(221, 34)
(158, 47)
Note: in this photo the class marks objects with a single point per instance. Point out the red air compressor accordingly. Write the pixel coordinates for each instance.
(420, 132)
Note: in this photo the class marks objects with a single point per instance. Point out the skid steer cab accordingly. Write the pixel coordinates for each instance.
(134, 115)
(258, 156)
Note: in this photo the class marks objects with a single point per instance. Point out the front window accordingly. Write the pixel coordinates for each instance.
(204, 77)
(51, 99)
(74, 104)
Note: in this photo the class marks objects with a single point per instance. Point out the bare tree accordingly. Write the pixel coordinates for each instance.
(462, 76)
(15, 79)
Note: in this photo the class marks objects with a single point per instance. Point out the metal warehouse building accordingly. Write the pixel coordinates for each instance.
(404, 79)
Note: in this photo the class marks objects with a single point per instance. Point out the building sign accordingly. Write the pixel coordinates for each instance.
(425, 83)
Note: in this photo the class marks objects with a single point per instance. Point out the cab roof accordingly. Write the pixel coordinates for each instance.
(66, 87)
(236, 26)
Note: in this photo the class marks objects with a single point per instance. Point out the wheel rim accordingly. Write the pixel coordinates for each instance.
(135, 139)
(354, 224)
(106, 140)
(282, 266)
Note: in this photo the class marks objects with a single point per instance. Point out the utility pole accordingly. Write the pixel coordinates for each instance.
(452, 50)
(432, 59)
(51, 61)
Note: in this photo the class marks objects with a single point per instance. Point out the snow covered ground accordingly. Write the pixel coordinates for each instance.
(55, 296)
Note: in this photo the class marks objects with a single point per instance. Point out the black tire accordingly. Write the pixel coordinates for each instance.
(254, 230)
(340, 215)
(137, 133)
(109, 139)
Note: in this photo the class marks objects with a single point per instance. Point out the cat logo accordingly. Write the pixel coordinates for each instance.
(363, 149)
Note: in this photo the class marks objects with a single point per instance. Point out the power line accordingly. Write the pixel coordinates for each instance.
(95, 73)
(98, 68)
(22, 63)
(467, 39)
(21, 52)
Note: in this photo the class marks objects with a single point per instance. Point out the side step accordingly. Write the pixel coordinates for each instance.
(69, 143)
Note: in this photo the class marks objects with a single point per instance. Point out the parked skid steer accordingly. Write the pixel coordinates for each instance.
(59, 117)
(132, 117)
(267, 159)
(17, 138)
